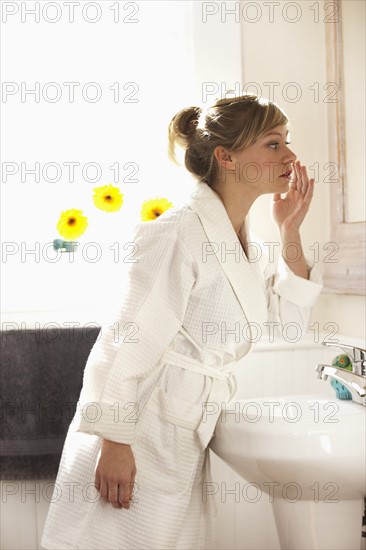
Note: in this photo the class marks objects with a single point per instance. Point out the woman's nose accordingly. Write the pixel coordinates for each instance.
(290, 156)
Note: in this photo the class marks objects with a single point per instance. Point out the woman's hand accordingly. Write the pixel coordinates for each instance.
(290, 211)
(115, 473)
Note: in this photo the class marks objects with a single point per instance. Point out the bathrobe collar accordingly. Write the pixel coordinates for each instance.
(244, 276)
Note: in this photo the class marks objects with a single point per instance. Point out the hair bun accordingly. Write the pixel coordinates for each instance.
(187, 121)
(182, 128)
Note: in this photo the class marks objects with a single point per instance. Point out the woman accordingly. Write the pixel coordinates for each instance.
(200, 292)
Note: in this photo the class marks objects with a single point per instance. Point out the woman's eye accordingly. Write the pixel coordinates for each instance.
(276, 143)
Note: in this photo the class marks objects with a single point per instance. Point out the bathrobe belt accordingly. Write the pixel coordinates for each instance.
(224, 379)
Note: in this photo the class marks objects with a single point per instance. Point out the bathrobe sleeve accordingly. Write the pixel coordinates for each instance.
(159, 280)
(290, 298)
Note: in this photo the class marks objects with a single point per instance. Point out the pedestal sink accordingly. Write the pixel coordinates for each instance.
(307, 452)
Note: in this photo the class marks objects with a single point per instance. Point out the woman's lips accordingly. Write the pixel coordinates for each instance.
(286, 175)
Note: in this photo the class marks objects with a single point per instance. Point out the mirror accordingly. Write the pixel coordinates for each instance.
(345, 40)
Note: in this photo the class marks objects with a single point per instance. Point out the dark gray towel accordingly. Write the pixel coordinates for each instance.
(41, 373)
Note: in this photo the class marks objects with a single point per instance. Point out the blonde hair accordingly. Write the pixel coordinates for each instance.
(233, 123)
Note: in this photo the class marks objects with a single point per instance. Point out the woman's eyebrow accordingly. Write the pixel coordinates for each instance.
(274, 134)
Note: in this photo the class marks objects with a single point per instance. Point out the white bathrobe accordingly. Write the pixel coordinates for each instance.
(162, 370)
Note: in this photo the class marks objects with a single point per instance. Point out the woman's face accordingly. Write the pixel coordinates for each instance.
(262, 165)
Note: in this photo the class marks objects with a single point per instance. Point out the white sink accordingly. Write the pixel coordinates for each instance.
(307, 453)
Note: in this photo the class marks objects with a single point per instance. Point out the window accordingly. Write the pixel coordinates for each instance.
(86, 104)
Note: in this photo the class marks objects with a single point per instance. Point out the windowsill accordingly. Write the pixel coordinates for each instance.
(28, 320)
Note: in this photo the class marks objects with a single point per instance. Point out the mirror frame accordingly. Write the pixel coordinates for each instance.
(346, 274)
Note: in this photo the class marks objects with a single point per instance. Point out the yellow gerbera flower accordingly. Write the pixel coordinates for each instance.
(108, 198)
(153, 208)
(72, 224)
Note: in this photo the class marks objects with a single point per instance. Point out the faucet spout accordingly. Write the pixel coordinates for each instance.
(354, 382)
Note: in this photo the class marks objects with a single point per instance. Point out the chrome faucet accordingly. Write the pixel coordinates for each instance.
(354, 381)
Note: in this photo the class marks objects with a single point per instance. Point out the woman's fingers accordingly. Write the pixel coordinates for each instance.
(97, 481)
(103, 489)
(132, 485)
(300, 181)
(118, 494)
(305, 180)
(125, 493)
(113, 494)
(295, 177)
(310, 191)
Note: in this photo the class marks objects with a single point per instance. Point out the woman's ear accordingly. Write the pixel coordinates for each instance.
(223, 158)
